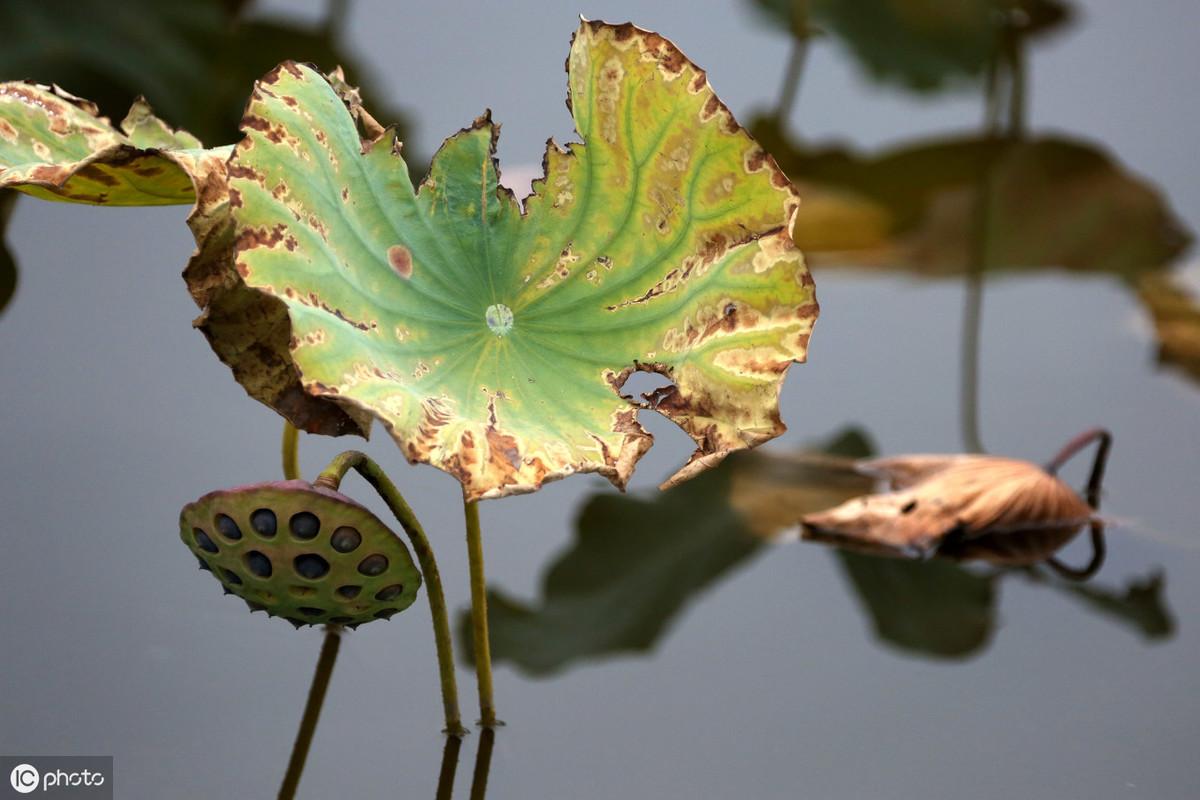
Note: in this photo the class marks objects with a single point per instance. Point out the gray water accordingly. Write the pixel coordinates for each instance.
(772, 680)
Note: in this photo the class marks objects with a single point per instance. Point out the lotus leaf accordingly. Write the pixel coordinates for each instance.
(920, 45)
(56, 146)
(493, 339)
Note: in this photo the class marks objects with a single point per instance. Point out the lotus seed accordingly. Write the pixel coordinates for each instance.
(305, 525)
(311, 565)
(349, 592)
(258, 564)
(228, 528)
(203, 542)
(345, 539)
(263, 522)
(308, 611)
(389, 592)
(373, 565)
(231, 576)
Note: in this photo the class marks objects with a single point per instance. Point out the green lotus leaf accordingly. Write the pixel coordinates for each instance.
(493, 340)
(56, 146)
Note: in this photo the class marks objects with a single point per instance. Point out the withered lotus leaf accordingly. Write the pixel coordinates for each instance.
(1002, 510)
(56, 146)
(493, 338)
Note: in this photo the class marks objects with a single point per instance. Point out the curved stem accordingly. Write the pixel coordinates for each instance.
(312, 710)
(331, 477)
(1096, 479)
(1099, 550)
(479, 616)
(1094, 485)
(290, 451)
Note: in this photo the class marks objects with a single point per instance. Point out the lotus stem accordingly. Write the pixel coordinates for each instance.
(1094, 485)
(312, 711)
(1099, 551)
(479, 617)
(1096, 479)
(331, 477)
(290, 451)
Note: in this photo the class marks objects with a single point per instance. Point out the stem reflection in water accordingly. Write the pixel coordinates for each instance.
(312, 711)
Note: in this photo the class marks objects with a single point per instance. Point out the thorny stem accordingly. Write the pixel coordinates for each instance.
(312, 711)
(479, 617)
(1094, 485)
(290, 451)
(331, 477)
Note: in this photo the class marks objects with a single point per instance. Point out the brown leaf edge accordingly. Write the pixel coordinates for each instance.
(249, 330)
(692, 413)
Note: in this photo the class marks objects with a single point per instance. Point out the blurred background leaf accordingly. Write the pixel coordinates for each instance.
(920, 45)
(194, 60)
(935, 608)
(1050, 202)
(1141, 605)
(1176, 316)
(637, 562)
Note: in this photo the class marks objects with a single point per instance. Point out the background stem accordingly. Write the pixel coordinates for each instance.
(331, 477)
(479, 617)
(312, 710)
(290, 451)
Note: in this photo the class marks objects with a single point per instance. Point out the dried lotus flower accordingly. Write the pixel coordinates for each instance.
(1001, 510)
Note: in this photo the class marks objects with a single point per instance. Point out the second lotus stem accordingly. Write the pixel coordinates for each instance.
(331, 477)
(479, 617)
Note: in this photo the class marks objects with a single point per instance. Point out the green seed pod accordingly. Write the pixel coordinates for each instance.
(302, 552)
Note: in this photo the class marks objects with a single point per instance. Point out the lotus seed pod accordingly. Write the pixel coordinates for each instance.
(306, 554)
